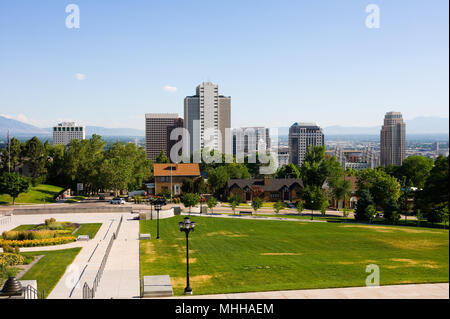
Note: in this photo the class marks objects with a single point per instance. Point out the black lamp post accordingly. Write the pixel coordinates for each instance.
(312, 210)
(157, 203)
(11, 288)
(187, 226)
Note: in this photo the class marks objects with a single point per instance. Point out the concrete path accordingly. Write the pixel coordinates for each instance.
(87, 263)
(419, 291)
(121, 275)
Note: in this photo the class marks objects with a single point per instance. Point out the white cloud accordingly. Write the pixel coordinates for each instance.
(170, 89)
(80, 76)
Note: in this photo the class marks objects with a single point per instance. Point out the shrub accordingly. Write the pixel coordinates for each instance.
(9, 259)
(8, 249)
(50, 221)
(38, 242)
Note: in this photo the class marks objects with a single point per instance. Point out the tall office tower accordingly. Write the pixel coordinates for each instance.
(157, 129)
(250, 140)
(301, 137)
(392, 140)
(65, 132)
(179, 123)
(206, 115)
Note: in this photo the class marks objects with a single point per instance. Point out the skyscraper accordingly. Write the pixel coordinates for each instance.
(250, 139)
(157, 132)
(206, 116)
(301, 137)
(392, 140)
(65, 132)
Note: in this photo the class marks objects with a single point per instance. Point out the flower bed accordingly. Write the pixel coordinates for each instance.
(9, 259)
(38, 242)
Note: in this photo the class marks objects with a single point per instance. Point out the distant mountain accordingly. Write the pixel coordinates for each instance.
(418, 125)
(19, 128)
(105, 131)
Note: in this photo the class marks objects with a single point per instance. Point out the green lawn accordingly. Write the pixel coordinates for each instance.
(232, 255)
(85, 229)
(88, 229)
(36, 195)
(50, 268)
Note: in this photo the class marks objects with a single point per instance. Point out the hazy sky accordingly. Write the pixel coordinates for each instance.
(280, 61)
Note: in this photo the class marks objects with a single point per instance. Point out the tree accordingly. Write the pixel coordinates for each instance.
(341, 189)
(13, 184)
(416, 170)
(12, 156)
(190, 200)
(370, 212)
(391, 211)
(188, 186)
(162, 158)
(234, 201)
(35, 159)
(257, 191)
(315, 168)
(200, 187)
(381, 186)
(256, 204)
(314, 198)
(419, 217)
(299, 207)
(212, 202)
(278, 206)
(288, 171)
(365, 199)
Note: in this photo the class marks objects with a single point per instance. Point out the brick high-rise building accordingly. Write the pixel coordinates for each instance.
(157, 132)
(392, 140)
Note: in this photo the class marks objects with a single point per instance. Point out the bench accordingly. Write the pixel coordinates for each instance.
(245, 213)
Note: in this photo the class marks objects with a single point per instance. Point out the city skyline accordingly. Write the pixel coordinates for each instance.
(346, 75)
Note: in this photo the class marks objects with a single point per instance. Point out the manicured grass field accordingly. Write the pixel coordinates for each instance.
(88, 229)
(237, 255)
(50, 268)
(36, 195)
(85, 229)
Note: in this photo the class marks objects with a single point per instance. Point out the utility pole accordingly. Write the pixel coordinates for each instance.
(171, 187)
(9, 154)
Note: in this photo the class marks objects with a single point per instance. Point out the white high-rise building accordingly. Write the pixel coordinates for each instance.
(301, 137)
(249, 140)
(65, 132)
(206, 116)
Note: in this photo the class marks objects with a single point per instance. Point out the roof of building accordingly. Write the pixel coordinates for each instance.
(182, 169)
(273, 185)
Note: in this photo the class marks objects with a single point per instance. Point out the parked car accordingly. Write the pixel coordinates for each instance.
(101, 197)
(290, 205)
(117, 200)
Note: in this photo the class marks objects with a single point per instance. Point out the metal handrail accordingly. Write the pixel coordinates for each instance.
(5, 220)
(89, 293)
(32, 293)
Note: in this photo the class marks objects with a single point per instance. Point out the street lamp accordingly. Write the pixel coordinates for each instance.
(312, 210)
(157, 203)
(187, 226)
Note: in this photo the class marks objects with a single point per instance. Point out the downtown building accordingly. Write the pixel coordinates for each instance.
(250, 140)
(302, 136)
(392, 140)
(158, 127)
(207, 116)
(65, 132)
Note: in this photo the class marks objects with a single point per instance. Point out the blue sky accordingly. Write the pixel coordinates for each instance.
(280, 61)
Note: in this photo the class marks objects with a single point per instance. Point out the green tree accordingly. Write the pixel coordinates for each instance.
(314, 198)
(288, 171)
(392, 211)
(381, 186)
(35, 158)
(416, 170)
(341, 189)
(299, 207)
(217, 180)
(200, 187)
(13, 184)
(370, 212)
(162, 158)
(365, 199)
(256, 204)
(278, 206)
(11, 156)
(234, 202)
(188, 186)
(190, 200)
(212, 202)
(419, 217)
(315, 168)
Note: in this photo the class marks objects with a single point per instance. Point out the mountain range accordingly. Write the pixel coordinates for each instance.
(418, 125)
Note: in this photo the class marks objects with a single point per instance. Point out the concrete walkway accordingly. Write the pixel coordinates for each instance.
(121, 275)
(419, 291)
